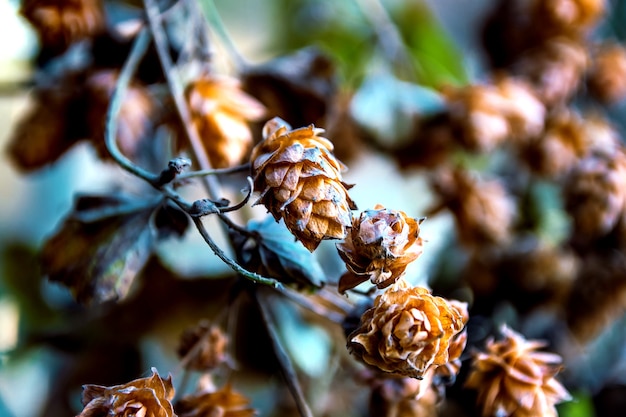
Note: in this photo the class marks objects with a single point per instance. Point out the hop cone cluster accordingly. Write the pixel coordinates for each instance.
(300, 181)
(407, 331)
(513, 379)
(220, 111)
(380, 245)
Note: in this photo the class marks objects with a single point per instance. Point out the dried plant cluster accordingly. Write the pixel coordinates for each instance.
(526, 162)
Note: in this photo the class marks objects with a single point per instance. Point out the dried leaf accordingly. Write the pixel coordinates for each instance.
(271, 250)
(100, 248)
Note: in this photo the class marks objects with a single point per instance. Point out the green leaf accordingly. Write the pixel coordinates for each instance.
(272, 251)
(100, 248)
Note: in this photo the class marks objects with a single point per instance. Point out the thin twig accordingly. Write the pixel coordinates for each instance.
(216, 171)
(252, 276)
(176, 89)
(286, 366)
(213, 16)
(312, 306)
(140, 46)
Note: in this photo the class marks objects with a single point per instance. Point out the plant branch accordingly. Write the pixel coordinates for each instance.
(234, 265)
(216, 171)
(139, 48)
(286, 366)
(213, 16)
(177, 92)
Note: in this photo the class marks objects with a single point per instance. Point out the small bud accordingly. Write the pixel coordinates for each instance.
(379, 247)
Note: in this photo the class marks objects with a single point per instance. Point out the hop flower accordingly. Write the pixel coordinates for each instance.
(513, 379)
(149, 397)
(402, 397)
(206, 344)
(566, 16)
(407, 331)
(300, 181)
(483, 210)
(607, 76)
(560, 147)
(380, 245)
(220, 111)
(595, 195)
(224, 403)
(478, 111)
(489, 114)
(60, 23)
(554, 69)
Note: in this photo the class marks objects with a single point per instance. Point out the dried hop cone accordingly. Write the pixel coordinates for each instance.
(607, 76)
(223, 403)
(483, 209)
(379, 246)
(206, 346)
(407, 331)
(220, 111)
(300, 181)
(147, 397)
(60, 23)
(513, 379)
(595, 194)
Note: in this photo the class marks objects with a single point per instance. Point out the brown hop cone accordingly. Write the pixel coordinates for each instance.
(524, 112)
(403, 397)
(136, 116)
(300, 181)
(479, 113)
(566, 17)
(595, 195)
(554, 69)
(482, 209)
(379, 247)
(514, 380)
(407, 331)
(203, 346)
(607, 76)
(60, 23)
(148, 397)
(220, 111)
(223, 403)
(560, 147)
(488, 114)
